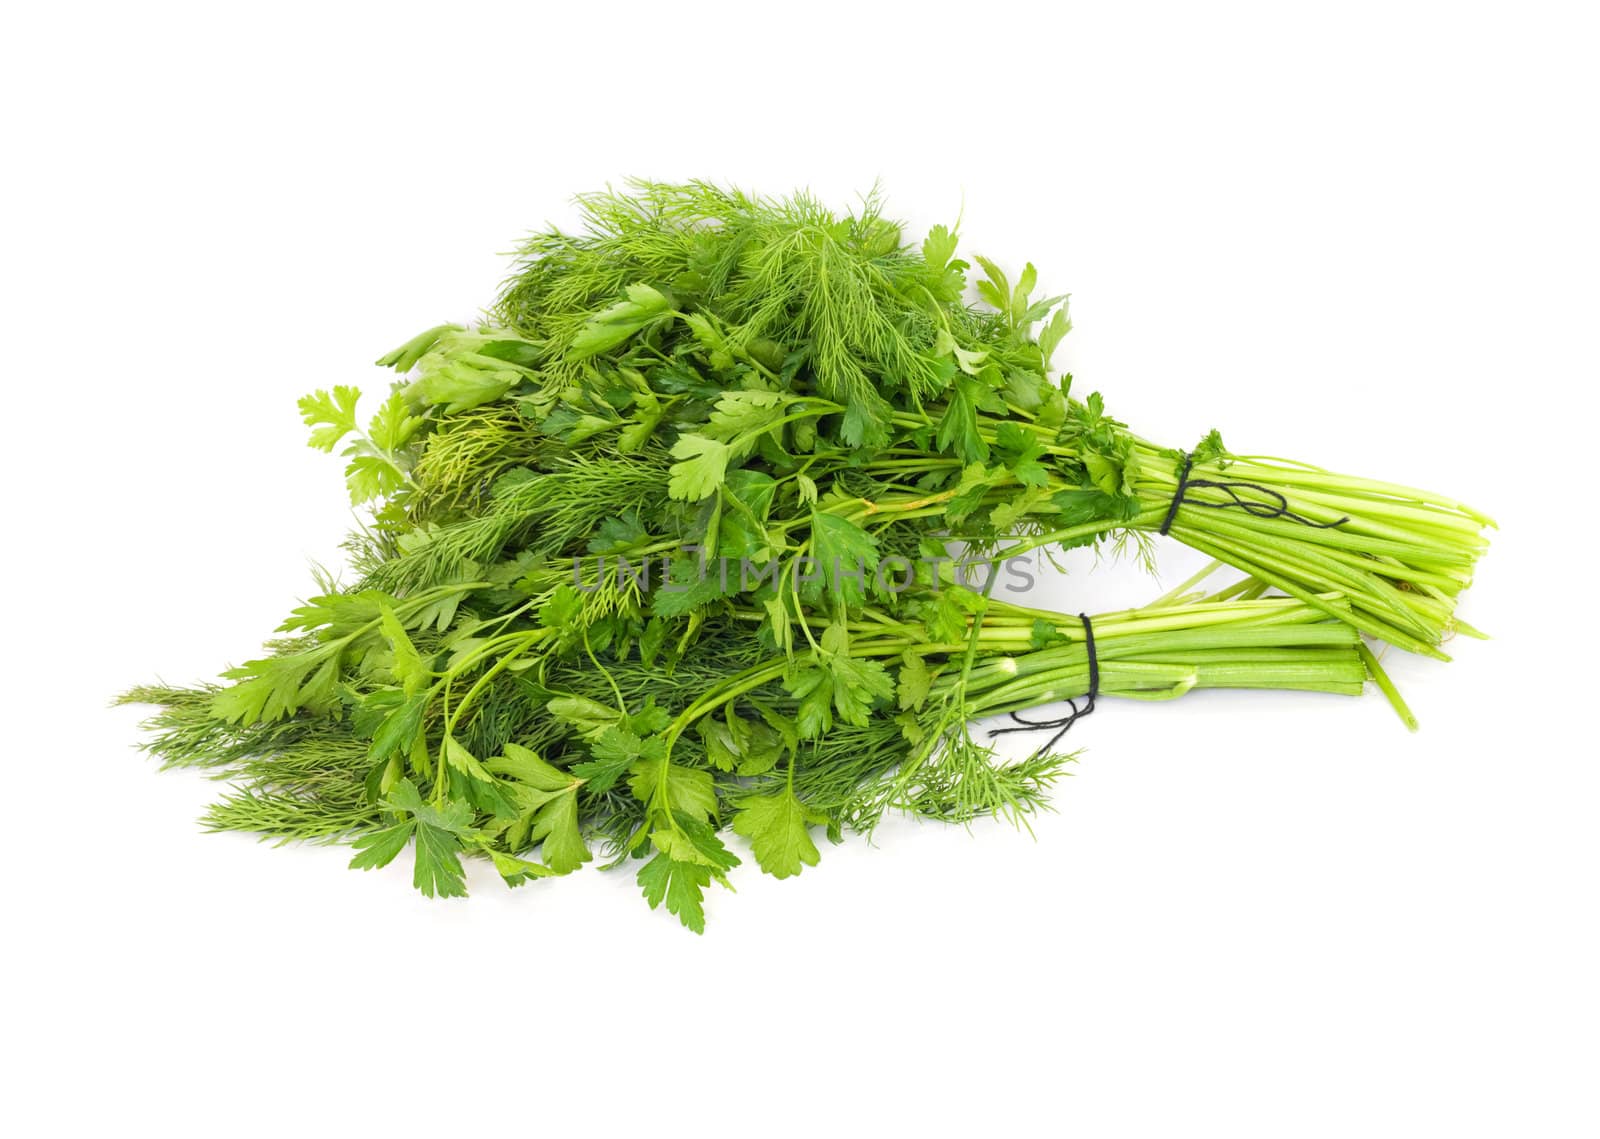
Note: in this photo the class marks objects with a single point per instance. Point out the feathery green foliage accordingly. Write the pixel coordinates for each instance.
(662, 551)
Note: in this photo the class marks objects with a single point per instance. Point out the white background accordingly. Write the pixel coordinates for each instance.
(1360, 235)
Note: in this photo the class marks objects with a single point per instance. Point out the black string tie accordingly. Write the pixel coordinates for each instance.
(1063, 723)
(1277, 507)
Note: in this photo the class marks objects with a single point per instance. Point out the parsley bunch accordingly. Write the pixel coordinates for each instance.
(662, 548)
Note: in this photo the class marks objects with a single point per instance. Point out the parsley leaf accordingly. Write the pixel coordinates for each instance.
(438, 872)
(778, 829)
(688, 839)
(687, 789)
(589, 718)
(702, 465)
(915, 682)
(438, 831)
(1020, 451)
(381, 847)
(547, 801)
(458, 757)
(847, 557)
(620, 322)
(516, 870)
(680, 884)
(938, 247)
(333, 415)
(857, 686)
(1053, 333)
(1044, 635)
(406, 665)
(394, 426)
(615, 749)
(958, 427)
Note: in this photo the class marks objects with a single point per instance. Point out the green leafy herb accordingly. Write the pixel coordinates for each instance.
(655, 561)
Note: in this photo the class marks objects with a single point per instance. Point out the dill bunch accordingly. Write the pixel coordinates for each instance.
(663, 548)
(771, 335)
